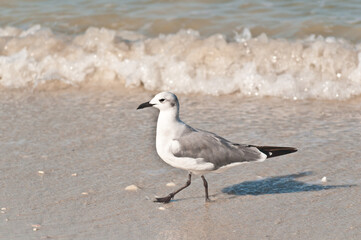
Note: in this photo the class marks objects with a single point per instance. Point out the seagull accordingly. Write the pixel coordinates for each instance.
(198, 151)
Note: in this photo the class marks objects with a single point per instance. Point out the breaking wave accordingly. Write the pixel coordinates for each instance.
(185, 62)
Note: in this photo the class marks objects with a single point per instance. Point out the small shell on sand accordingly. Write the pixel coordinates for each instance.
(41, 172)
(170, 184)
(74, 174)
(324, 179)
(131, 188)
(161, 208)
(36, 227)
(84, 193)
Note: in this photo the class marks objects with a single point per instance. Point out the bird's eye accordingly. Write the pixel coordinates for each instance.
(161, 100)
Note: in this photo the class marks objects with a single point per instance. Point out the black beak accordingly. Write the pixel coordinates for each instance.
(144, 105)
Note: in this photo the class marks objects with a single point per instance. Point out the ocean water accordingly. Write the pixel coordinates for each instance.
(287, 49)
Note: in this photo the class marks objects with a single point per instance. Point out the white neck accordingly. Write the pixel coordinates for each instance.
(169, 127)
(167, 121)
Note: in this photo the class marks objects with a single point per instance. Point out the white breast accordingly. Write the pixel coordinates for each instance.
(195, 165)
(166, 144)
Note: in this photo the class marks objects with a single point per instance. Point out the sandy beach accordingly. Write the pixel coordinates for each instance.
(67, 156)
(78, 161)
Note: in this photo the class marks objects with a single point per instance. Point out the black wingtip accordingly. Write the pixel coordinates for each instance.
(272, 151)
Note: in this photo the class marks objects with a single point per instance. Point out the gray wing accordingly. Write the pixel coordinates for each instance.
(215, 149)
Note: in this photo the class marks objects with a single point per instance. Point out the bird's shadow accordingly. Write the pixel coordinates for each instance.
(277, 185)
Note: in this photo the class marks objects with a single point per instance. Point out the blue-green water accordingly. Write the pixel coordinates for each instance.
(282, 18)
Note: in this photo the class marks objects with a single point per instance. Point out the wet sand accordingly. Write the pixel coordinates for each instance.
(67, 156)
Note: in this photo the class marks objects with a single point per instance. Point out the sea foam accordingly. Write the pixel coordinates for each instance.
(185, 62)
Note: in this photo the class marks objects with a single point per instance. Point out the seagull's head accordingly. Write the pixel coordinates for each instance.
(162, 101)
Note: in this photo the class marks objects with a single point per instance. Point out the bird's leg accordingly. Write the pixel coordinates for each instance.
(172, 194)
(205, 184)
